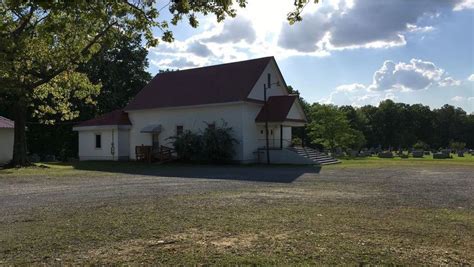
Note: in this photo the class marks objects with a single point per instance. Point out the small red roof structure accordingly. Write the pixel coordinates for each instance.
(278, 108)
(6, 123)
(116, 117)
(207, 85)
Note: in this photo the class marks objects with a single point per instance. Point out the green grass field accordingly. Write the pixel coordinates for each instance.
(467, 160)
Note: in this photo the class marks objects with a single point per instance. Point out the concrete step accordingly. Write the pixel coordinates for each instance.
(314, 155)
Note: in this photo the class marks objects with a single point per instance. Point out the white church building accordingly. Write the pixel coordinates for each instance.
(193, 99)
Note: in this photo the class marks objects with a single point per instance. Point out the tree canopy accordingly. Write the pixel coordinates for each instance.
(390, 125)
(121, 70)
(330, 128)
(43, 43)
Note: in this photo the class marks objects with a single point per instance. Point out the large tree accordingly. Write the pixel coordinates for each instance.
(121, 70)
(330, 128)
(42, 44)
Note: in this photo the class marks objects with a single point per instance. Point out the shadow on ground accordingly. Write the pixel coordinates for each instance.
(257, 173)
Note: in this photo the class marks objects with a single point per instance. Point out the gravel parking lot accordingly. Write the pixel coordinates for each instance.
(352, 200)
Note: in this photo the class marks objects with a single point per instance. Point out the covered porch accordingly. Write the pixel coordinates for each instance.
(279, 134)
(279, 115)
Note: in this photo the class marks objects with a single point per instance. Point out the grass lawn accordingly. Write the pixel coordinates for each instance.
(367, 162)
(377, 211)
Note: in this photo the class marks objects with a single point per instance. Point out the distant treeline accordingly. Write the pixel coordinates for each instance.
(390, 125)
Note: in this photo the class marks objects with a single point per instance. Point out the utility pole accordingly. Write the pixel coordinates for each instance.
(265, 88)
(266, 118)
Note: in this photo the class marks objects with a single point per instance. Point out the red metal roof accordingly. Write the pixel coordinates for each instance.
(116, 117)
(207, 85)
(278, 108)
(6, 123)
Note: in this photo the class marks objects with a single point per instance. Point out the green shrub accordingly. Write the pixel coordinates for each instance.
(420, 145)
(187, 145)
(296, 141)
(457, 146)
(218, 144)
(214, 145)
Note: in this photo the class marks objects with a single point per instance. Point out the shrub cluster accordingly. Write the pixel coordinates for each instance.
(214, 145)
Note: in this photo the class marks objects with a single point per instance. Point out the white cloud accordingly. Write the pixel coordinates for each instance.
(354, 87)
(199, 49)
(178, 63)
(356, 95)
(329, 26)
(361, 24)
(466, 4)
(471, 78)
(415, 28)
(235, 30)
(458, 98)
(414, 75)
(394, 81)
(449, 81)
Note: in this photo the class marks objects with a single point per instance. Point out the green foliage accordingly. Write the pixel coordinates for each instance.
(399, 125)
(188, 145)
(218, 144)
(295, 15)
(420, 145)
(358, 140)
(121, 69)
(296, 141)
(215, 144)
(457, 145)
(330, 128)
(54, 100)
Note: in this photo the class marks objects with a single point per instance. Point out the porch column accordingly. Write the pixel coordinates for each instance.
(281, 136)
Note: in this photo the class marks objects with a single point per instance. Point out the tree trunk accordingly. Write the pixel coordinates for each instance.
(19, 144)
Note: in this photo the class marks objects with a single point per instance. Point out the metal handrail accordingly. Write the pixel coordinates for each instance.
(274, 143)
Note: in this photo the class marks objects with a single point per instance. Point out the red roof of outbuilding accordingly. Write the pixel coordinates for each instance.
(6, 123)
(207, 85)
(116, 117)
(278, 108)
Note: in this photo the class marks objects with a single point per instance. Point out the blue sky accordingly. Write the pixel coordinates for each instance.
(345, 52)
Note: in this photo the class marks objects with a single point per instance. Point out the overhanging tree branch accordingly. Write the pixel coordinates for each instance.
(83, 51)
(25, 21)
(134, 7)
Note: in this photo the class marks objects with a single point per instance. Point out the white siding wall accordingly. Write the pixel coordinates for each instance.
(296, 112)
(251, 132)
(257, 91)
(87, 150)
(192, 118)
(6, 144)
(123, 144)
